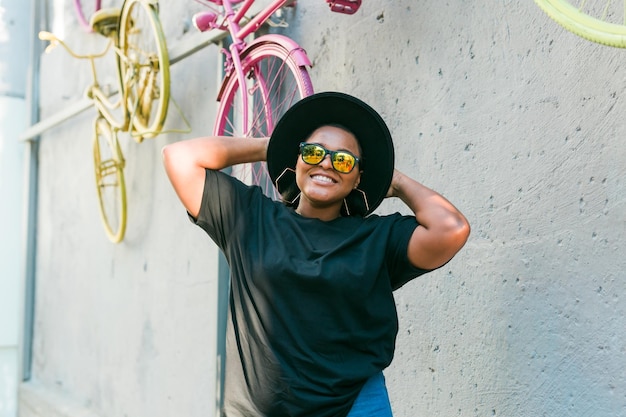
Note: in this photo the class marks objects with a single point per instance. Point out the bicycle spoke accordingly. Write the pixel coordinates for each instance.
(110, 186)
(144, 67)
(274, 82)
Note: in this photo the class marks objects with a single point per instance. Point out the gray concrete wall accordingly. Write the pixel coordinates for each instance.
(513, 119)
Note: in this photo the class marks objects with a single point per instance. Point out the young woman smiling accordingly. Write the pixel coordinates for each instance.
(312, 318)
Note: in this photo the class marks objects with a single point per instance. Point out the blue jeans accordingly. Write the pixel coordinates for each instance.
(373, 400)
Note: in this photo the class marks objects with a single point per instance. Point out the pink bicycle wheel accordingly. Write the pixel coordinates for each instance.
(84, 9)
(274, 82)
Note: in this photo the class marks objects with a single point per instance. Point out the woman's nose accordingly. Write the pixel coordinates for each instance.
(326, 162)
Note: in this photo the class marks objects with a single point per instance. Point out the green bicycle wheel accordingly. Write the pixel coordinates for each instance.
(600, 21)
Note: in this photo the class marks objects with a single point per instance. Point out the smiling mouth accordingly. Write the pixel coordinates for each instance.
(323, 178)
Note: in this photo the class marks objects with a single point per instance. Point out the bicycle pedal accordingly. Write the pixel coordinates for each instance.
(344, 6)
(204, 21)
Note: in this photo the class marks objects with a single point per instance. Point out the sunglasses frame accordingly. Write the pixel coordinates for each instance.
(331, 153)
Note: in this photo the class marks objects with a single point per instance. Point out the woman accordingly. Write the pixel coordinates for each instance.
(312, 319)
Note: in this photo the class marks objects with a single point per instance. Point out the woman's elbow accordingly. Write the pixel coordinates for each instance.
(178, 156)
(167, 153)
(458, 232)
(176, 162)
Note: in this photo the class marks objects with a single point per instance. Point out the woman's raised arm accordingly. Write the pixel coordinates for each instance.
(185, 162)
(442, 229)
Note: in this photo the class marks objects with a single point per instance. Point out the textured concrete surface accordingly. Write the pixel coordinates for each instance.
(516, 121)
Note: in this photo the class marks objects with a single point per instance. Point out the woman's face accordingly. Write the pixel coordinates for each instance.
(320, 184)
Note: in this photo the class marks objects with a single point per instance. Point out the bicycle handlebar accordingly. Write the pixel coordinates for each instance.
(54, 41)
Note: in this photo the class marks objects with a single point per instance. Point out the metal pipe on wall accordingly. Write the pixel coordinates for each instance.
(14, 116)
(31, 175)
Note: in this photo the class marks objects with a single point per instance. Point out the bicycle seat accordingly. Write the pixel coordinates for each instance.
(105, 21)
(344, 6)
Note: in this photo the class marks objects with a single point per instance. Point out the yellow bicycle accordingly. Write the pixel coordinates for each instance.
(600, 21)
(143, 95)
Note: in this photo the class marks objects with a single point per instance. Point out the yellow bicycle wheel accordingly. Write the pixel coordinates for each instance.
(144, 67)
(110, 185)
(601, 21)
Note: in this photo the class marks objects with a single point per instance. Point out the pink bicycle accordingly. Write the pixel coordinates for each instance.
(262, 79)
(84, 10)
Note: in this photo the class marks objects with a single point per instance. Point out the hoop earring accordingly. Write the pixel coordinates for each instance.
(364, 197)
(355, 204)
(290, 191)
(292, 202)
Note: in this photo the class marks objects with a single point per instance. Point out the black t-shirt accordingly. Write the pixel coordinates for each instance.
(312, 314)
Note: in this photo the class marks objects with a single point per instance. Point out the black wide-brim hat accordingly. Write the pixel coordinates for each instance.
(363, 121)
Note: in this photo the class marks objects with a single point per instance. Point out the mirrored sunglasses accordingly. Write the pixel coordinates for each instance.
(314, 154)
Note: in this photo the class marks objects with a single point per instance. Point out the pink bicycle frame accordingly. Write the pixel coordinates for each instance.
(232, 18)
(82, 19)
(230, 23)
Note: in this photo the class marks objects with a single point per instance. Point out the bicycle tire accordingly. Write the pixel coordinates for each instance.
(593, 21)
(110, 184)
(275, 82)
(83, 12)
(144, 68)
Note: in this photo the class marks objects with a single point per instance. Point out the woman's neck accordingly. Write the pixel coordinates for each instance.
(325, 213)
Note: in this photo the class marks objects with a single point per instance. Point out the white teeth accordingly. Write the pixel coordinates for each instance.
(322, 178)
